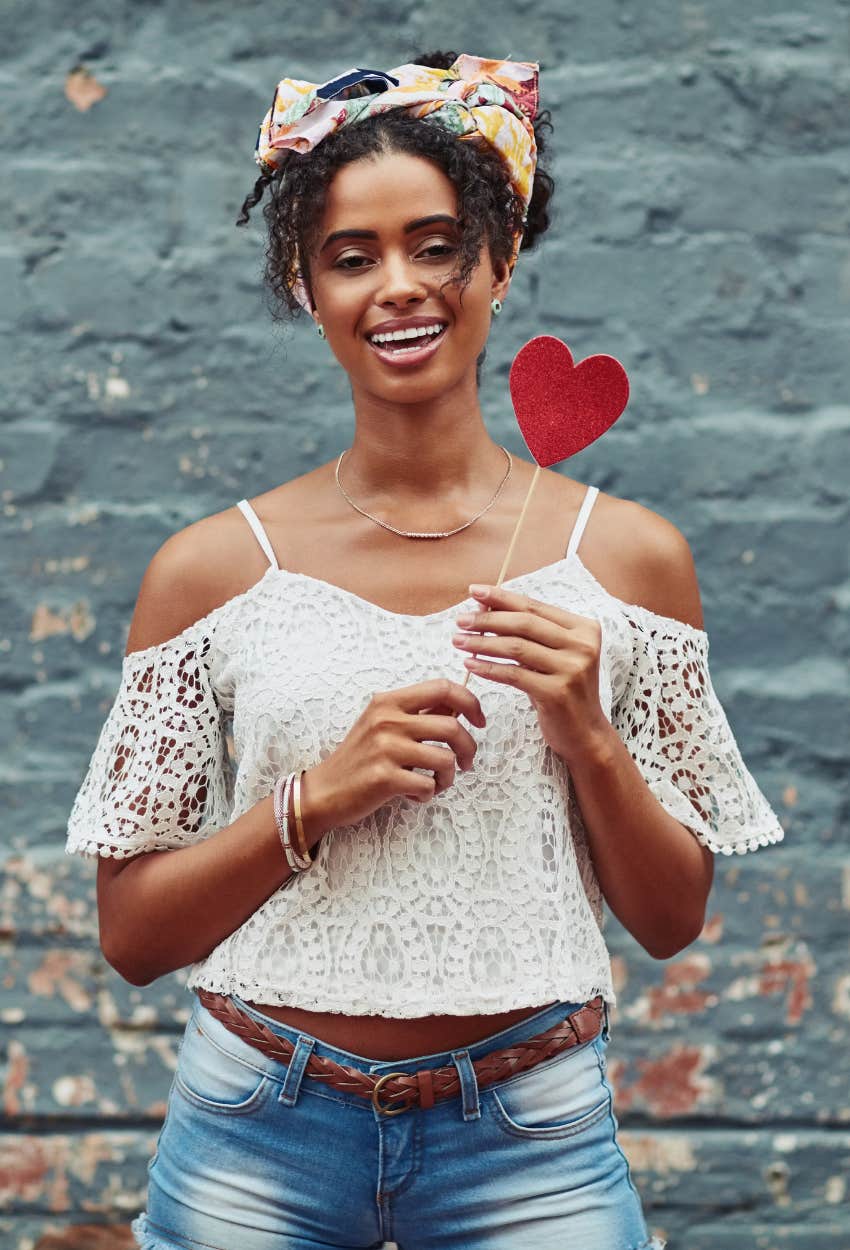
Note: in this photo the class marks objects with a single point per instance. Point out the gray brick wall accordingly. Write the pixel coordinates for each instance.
(702, 154)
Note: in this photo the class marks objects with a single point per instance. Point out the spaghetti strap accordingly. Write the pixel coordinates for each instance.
(260, 534)
(581, 520)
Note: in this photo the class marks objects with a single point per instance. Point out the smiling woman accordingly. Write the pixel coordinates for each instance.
(383, 915)
(485, 205)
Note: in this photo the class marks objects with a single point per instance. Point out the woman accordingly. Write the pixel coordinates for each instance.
(391, 902)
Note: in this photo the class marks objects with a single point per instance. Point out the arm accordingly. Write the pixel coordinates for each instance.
(164, 909)
(655, 876)
(652, 868)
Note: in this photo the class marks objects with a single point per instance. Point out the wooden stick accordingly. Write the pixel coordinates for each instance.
(512, 543)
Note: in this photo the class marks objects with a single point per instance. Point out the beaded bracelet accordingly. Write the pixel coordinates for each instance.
(297, 856)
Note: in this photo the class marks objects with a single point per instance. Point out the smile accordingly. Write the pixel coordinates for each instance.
(406, 353)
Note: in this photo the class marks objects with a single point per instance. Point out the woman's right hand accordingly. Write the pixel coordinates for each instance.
(394, 734)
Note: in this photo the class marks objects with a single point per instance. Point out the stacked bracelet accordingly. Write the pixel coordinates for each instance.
(297, 855)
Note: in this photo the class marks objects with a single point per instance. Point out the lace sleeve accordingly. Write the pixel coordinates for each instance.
(675, 728)
(158, 777)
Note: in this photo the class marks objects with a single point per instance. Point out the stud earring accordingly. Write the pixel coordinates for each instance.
(320, 330)
(496, 306)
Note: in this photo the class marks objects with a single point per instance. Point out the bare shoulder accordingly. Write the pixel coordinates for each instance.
(195, 570)
(643, 558)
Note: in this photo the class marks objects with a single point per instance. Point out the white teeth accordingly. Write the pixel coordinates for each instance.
(417, 332)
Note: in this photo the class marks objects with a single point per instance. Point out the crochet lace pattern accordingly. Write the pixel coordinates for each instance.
(481, 900)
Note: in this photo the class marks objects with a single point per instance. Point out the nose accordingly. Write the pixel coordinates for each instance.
(402, 282)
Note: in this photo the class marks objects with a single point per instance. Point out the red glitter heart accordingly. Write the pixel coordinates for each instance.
(562, 407)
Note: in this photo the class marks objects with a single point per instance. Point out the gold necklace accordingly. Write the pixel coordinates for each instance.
(413, 533)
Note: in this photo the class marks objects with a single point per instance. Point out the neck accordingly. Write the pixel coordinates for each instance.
(436, 455)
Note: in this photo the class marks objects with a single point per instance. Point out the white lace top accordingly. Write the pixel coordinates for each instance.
(481, 900)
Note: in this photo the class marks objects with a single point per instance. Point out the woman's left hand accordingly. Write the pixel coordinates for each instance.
(556, 654)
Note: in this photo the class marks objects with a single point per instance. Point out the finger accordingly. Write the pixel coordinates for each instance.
(441, 692)
(539, 658)
(530, 625)
(446, 728)
(439, 760)
(511, 600)
(516, 675)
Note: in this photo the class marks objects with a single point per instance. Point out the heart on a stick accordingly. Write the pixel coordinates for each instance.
(562, 407)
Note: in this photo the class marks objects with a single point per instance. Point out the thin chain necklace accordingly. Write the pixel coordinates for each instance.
(413, 533)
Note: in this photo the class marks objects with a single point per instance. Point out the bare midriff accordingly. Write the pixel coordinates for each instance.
(385, 1037)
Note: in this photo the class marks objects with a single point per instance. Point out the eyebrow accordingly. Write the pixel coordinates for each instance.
(419, 222)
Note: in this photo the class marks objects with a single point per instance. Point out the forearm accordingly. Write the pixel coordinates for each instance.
(168, 909)
(650, 867)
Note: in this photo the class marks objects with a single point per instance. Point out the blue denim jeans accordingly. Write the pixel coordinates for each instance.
(256, 1155)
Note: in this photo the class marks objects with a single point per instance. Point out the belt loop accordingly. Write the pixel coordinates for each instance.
(468, 1084)
(295, 1069)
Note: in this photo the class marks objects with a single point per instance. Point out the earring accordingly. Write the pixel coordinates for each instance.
(320, 329)
(496, 306)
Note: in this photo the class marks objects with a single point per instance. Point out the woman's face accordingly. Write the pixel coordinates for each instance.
(399, 272)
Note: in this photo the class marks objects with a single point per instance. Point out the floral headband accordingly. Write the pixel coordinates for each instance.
(495, 99)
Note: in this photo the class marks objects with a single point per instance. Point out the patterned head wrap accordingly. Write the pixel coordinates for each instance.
(495, 99)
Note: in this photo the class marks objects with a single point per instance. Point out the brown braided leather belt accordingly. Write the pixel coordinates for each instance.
(426, 1086)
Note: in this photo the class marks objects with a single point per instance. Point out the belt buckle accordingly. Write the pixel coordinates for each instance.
(376, 1088)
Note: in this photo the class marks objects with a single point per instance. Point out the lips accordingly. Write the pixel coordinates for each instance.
(412, 356)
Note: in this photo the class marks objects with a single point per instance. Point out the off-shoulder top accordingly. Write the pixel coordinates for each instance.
(482, 899)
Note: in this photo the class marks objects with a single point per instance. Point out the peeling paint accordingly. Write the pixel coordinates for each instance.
(83, 89)
(39, 1170)
(835, 1189)
(791, 975)
(678, 994)
(17, 1070)
(777, 1175)
(76, 621)
(712, 930)
(841, 996)
(673, 1084)
(55, 974)
(117, 388)
(74, 1091)
(664, 1155)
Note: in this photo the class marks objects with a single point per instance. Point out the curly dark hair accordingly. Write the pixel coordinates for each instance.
(487, 204)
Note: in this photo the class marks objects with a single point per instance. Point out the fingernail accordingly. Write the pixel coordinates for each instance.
(479, 591)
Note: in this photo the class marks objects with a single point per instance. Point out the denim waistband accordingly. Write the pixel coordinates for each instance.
(538, 1022)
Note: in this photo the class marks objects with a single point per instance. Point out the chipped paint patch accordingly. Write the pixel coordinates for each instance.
(679, 993)
(83, 89)
(712, 930)
(791, 976)
(74, 1091)
(787, 968)
(39, 1170)
(76, 621)
(777, 1174)
(835, 1189)
(58, 973)
(841, 996)
(665, 1155)
(619, 973)
(673, 1084)
(117, 388)
(17, 1071)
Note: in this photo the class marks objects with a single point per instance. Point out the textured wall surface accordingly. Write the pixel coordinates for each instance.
(702, 153)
